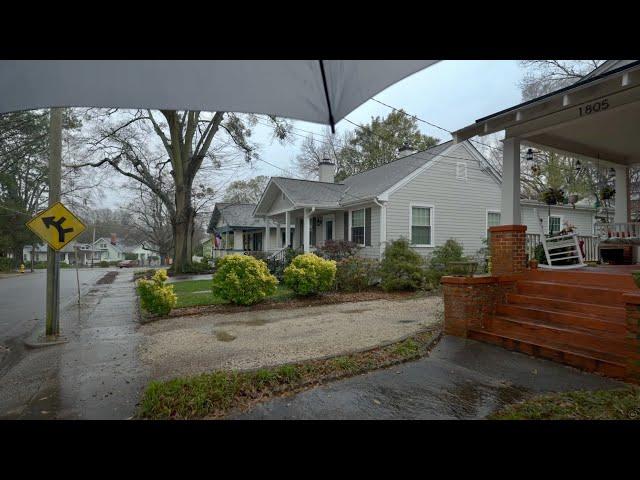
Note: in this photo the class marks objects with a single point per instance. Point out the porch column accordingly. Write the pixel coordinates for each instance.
(287, 229)
(622, 195)
(267, 231)
(306, 230)
(238, 243)
(510, 214)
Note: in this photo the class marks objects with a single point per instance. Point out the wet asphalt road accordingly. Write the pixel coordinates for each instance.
(23, 298)
(461, 379)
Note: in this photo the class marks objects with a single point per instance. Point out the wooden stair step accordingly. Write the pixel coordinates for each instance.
(588, 321)
(609, 365)
(584, 277)
(577, 293)
(561, 336)
(606, 311)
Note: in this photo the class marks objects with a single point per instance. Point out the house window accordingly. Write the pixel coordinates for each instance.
(493, 219)
(554, 223)
(421, 225)
(357, 226)
(461, 170)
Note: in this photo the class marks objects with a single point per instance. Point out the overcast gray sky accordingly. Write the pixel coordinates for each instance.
(452, 94)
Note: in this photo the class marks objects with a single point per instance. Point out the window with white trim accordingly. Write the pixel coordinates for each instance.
(461, 170)
(421, 225)
(554, 223)
(493, 219)
(357, 226)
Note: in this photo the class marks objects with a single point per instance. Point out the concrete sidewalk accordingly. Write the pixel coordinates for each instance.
(96, 375)
(461, 379)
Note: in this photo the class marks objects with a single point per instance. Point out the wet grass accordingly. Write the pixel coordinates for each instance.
(621, 404)
(193, 293)
(216, 394)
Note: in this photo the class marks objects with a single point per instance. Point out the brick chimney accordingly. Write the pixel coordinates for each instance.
(326, 171)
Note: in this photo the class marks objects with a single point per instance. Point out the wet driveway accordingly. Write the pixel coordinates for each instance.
(461, 379)
(96, 375)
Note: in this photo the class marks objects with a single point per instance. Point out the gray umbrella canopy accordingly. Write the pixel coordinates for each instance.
(320, 91)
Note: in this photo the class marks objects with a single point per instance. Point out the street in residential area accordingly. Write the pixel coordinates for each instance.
(95, 375)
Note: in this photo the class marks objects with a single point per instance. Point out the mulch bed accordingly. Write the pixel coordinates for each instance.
(108, 278)
(325, 299)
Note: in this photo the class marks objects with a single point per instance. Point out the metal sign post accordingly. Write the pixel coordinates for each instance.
(53, 261)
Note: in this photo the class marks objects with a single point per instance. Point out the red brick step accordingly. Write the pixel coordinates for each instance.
(609, 365)
(575, 293)
(614, 313)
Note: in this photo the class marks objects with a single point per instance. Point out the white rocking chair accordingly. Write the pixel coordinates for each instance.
(556, 249)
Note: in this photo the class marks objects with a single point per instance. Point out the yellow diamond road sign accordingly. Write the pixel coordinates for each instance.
(56, 225)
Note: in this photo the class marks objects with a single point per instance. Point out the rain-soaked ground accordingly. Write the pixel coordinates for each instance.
(461, 379)
(96, 375)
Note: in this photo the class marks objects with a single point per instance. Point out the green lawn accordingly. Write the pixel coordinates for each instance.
(198, 292)
(623, 404)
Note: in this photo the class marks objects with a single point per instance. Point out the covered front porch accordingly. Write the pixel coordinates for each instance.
(588, 317)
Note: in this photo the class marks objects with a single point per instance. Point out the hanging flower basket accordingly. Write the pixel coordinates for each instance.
(607, 193)
(552, 196)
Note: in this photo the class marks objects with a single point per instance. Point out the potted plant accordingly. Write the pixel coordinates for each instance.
(636, 277)
(552, 196)
(607, 192)
(533, 264)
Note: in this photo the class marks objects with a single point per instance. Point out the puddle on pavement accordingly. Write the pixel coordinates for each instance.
(109, 277)
(223, 336)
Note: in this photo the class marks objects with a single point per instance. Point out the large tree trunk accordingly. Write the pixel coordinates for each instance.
(183, 225)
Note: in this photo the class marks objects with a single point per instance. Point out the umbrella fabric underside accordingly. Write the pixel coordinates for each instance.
(286, 88)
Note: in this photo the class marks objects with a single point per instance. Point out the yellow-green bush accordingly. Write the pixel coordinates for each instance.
(309, 274)
(155, 296)
(243, 280)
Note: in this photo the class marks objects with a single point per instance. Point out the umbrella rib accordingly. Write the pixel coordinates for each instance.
(326, 95)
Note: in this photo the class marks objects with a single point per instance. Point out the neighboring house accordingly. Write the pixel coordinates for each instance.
(241, 230)
(68, 255)
(107, 250)
(146, 254)
(448, 191)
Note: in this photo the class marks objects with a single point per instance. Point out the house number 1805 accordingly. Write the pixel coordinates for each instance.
(594, 107)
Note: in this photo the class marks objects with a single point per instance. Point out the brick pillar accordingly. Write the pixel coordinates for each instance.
(508, 253)
(468, 302)
(632, 302)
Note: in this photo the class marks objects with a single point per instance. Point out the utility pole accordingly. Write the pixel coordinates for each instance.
(53, 260)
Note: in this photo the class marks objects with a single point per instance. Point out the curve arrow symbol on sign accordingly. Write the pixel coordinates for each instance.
(51, 221)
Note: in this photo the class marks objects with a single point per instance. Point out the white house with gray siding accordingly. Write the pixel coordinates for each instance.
(448, 191)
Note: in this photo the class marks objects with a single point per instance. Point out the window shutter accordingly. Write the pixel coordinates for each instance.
(346, 226)
(367, 227)
(312, 241)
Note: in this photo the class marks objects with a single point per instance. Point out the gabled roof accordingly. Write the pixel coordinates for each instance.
(235, 215)
(372, 183)
(360, 187)
(310, 192)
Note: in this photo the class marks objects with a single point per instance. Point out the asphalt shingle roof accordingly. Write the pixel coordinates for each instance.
(236, 215)
(362, 186)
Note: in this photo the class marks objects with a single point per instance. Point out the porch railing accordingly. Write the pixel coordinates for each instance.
(619, 230)
(590, 246)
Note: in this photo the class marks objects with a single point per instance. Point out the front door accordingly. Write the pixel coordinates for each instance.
(329, 221)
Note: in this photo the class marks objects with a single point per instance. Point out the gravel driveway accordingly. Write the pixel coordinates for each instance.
(195, 344)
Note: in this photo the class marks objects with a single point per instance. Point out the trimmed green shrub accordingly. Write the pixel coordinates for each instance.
(354, 274)
(402, 268)
(451, 251)
(309, 274)
(155, 296)
(243, 280)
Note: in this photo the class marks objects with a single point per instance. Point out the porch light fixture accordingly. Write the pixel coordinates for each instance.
(529, 155)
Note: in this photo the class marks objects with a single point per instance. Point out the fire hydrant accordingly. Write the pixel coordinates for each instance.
(22, 268)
